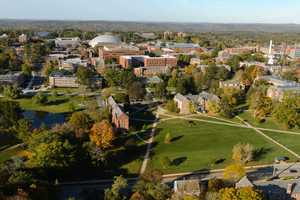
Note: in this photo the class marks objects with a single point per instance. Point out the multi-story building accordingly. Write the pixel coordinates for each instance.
(118, 117)
(71, 64)
(183, 104)
(60, 80)
(147, 61)
(151, 71)
(113, 53)
(71, 42)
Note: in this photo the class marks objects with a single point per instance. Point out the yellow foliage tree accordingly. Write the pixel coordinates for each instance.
(234, 172)
(102, 134)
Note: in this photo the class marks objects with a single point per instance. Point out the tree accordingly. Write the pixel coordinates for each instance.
(23, 129)
(40, 98)
(12, 92)
(242, 153)
(249, 193)
(10, 113)
(261, 105)
(102, 134)
(287, 111)
(214, 185)
(80, 120)
(246, 193)
(234, 172)
(115, 192)
(53, 151)
(137, 196)
(160, 90)
(226, 108)
(213, 106)
(83, 75)
(165, 162)
(168, 138)
(20, 177)
(136, 90)
(27, 69)
(171, 106)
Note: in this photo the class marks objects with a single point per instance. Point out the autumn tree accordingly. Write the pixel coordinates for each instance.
(246, 193)
(102, 134)
(234, 171)
(242, 153)
(287, 111)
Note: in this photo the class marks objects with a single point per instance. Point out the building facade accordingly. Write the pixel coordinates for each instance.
(119, 118)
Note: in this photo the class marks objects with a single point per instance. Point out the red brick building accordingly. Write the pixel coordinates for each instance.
(119, 118)
(147, 61)
(114, 52)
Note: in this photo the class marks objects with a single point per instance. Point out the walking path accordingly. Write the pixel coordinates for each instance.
(150, 141)
(269, 138)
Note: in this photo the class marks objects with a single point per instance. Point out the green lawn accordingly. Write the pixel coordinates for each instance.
(200, 145)
(290, 141)
(60, 104)
(269, 123)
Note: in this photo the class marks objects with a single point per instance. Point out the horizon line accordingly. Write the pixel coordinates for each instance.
(146, 21)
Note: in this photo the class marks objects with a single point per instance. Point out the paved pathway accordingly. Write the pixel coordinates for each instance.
(149, 145)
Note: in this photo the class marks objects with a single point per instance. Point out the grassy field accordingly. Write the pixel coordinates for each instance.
(201, 145)
(269, 123)
(60, 104)
(290, 141)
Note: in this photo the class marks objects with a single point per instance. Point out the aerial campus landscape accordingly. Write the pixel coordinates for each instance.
(182, 104)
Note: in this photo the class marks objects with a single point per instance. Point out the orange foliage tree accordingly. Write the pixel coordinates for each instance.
(102, 134)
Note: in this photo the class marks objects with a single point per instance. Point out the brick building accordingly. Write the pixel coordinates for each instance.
(118, 117)
(147, 61)
(114, 52)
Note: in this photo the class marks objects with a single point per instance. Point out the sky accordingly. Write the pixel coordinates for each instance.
(215, 11)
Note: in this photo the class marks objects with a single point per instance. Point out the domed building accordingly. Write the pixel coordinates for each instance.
(105, 40)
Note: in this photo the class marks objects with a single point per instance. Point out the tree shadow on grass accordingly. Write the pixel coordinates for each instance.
(260, 153)
(57, 102)
(174, 139)
(179, 161)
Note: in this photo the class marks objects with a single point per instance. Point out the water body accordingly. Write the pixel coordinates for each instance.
(49, 120)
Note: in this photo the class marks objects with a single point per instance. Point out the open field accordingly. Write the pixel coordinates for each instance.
(59, 104)
(269, 123)
(200, 145)
(290, 141)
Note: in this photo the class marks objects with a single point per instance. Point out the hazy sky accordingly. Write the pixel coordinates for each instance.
(249, 11)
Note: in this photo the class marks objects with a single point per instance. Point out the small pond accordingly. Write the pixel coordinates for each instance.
(49, 120)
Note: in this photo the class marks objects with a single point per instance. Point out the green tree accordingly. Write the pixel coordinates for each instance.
(12, 92)
(83, 75)
(136, 90)
(20, 177)
(26, 69)
(48, 149)
(10, 113)
(287, 111)
(171, 106)
(40, 98)
(80, 120)
(115, 192)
